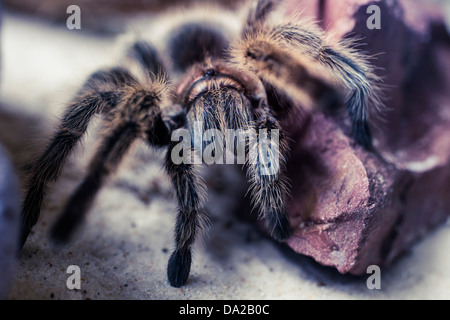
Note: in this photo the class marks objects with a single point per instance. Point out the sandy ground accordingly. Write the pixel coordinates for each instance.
(123, 247)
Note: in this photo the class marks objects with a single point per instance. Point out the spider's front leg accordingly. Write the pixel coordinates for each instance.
(190, 192)
(299, 64)
(115, 144)
(99, 94)
(137, 115)
(267, 153)
(266, 165)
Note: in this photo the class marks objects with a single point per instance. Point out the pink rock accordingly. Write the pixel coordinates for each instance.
(350, 208)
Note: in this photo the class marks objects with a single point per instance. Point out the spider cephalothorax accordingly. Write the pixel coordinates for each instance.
(211, 73)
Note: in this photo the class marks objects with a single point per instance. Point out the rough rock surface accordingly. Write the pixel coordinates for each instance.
(351, 209)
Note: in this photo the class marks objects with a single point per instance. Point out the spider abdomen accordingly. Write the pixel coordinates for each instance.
(194, 42)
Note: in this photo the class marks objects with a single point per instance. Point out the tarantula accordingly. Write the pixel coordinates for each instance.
(206, 68)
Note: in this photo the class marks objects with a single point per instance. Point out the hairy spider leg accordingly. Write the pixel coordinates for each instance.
(100, 93)
(266, 173)
(133, 118)
(189, 44)
(190, 191)
(348, 67)
(289, 56)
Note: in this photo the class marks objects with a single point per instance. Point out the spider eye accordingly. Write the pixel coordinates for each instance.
(259, 56)
(251, 55)
(210, 73)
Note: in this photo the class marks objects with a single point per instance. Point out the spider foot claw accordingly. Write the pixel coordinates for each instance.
(280, 228)
(179, 268)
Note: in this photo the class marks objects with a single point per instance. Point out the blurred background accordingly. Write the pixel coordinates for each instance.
(102, 15)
